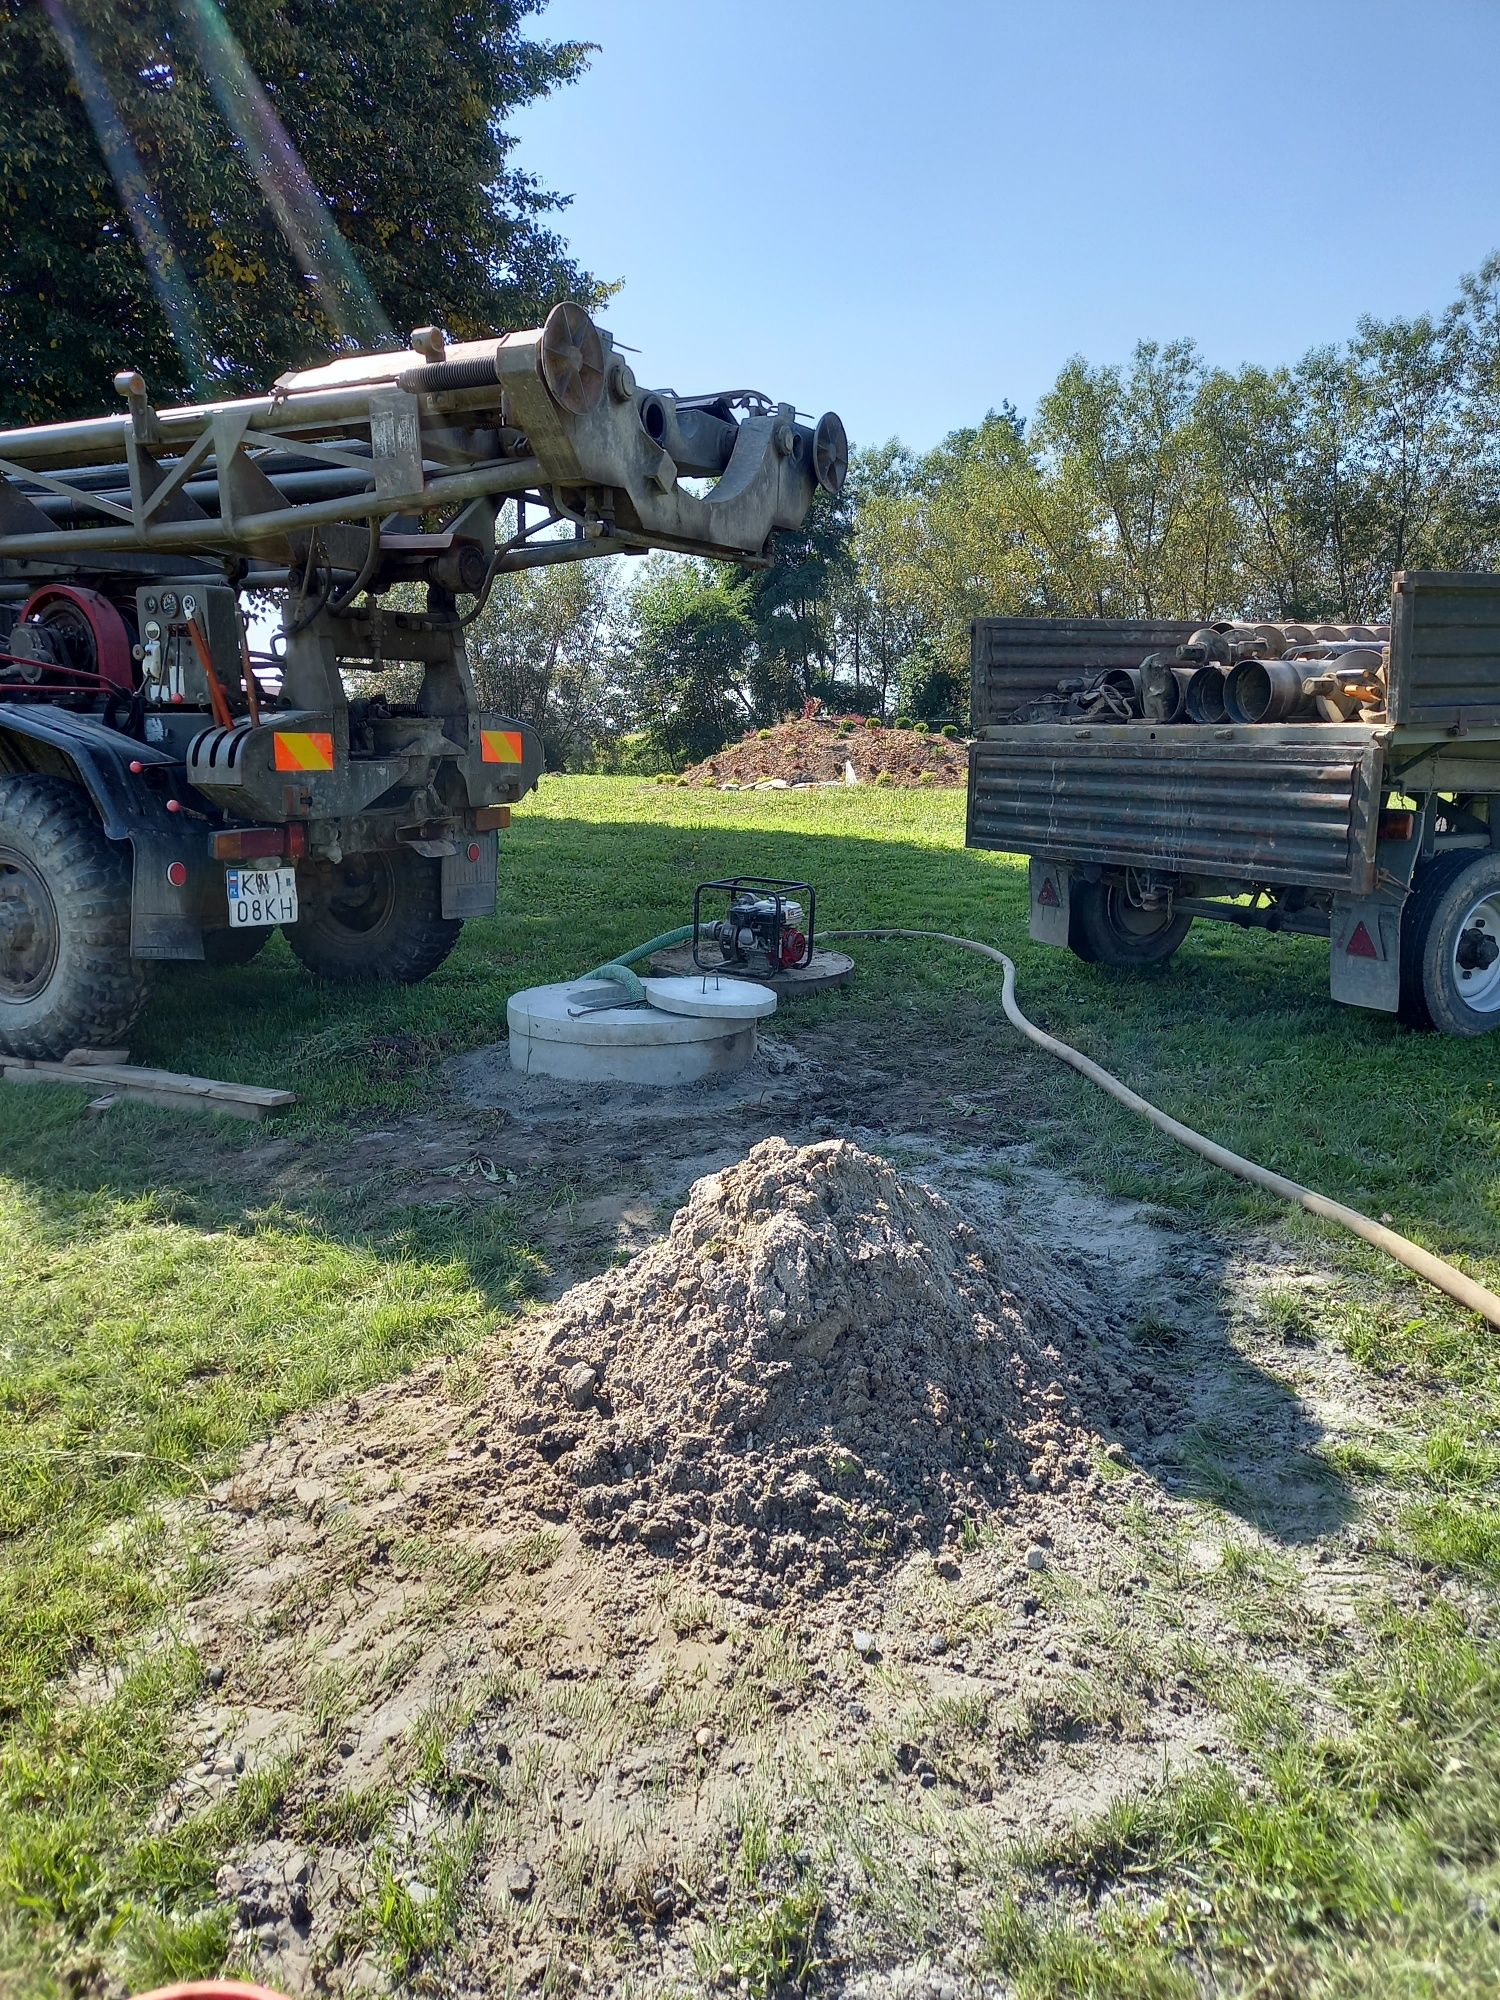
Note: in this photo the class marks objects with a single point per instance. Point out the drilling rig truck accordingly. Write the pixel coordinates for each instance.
(168, 790)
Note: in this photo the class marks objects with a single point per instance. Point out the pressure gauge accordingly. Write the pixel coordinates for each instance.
(152, 629)
(169, 603)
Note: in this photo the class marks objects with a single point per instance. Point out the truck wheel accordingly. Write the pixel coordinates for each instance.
(1105, 928)
(67, 980)
(236, 947)
(372, 916)
(1450, 945)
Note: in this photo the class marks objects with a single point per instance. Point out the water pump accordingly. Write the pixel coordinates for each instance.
(767, 928)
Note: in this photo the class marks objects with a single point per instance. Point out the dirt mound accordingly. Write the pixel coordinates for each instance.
(815, 749)
(819, 1366)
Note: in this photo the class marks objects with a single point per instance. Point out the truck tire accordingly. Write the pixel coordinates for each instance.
(236, 947)
(67, 980)
(1105, 929)
(1450, 945)
(372, 917)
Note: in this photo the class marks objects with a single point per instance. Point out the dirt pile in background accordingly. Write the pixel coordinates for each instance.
(814, 750)
(819, 1366)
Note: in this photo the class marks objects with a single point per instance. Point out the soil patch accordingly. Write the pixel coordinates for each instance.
(815, 750)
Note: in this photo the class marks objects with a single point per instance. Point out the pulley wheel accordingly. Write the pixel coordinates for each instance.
(831, 453)
(572, 359)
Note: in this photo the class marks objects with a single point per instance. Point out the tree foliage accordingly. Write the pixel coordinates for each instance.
(214, 194)
(687, 662)
(543, 650)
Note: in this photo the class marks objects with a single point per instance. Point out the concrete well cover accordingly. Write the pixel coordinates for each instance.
(711, 996)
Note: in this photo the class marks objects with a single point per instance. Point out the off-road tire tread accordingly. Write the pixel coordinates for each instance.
(103, 988)
(406, 954)
(1432, 882)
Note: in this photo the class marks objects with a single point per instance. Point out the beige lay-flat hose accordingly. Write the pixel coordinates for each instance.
(1464, 1291)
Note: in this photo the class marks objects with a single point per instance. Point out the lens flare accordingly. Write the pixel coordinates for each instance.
(168, 280)
(302, 215)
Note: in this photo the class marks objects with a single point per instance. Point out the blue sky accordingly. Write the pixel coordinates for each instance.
(909, 213)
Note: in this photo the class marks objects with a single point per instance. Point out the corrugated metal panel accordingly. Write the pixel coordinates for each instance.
(1294, 803)
(1015, 661)
(1445, 649)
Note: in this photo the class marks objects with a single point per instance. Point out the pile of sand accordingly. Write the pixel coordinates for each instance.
(818, 1367)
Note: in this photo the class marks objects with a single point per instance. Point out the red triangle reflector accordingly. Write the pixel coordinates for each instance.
(1048, 892)
(1361, 944)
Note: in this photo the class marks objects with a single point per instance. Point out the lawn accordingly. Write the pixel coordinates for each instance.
(160, 1310)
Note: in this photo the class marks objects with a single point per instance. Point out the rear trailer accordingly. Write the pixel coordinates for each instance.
(1371, 817)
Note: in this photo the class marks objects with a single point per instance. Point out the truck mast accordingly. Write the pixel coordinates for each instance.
(167, 794)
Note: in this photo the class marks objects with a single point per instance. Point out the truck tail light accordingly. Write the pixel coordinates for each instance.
(254, 843)
(1397, 825)
(488, 817)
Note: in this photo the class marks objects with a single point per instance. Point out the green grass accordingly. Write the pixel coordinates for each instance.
(1363, 1863)
(162, 1304)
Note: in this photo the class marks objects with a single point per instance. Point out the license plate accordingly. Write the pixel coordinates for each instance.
(260, 896)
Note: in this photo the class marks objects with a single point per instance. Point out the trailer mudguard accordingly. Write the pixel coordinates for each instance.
(164, 918)
(41, 737)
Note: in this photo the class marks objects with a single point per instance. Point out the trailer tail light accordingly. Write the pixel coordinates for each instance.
(1397, 825)
(473, 850)
(253, 843)
(489, 817)
(177, 874)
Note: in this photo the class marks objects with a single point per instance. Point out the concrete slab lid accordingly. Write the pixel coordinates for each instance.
(709, 997)
(570, 1012)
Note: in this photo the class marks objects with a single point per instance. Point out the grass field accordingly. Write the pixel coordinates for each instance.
(159, 1311)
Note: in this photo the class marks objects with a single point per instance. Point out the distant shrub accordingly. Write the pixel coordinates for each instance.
(681, 780)
(952, 731)
(846, 729)
(902, 722)
(811, 707)
(884, 778)
(764, 735)
(873, 722)
(922, 728)
(927, 777)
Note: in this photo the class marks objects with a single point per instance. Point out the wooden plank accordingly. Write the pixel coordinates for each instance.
(155, 1086)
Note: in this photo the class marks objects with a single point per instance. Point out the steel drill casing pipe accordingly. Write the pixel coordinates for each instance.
(1204, 701)
(1264, 691)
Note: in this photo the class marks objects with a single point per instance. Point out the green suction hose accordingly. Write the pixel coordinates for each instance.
(618, 969)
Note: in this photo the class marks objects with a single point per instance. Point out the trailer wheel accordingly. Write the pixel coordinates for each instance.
(372, 916)
(1105, 928)
(236, 947)
(1450, 945)
(67, 980)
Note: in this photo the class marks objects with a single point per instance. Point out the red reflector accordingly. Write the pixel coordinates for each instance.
(248, 843)
(473, 850)
(1048, 893)
(174, 805)
(136, 767)
(177, 874)
(296, 840)
(1397, 825)
(1361, 944)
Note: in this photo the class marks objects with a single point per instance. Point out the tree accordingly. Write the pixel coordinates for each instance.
(686, 663)
(213, 196)
(1128, 436)
(794, 607)
(542, 650)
